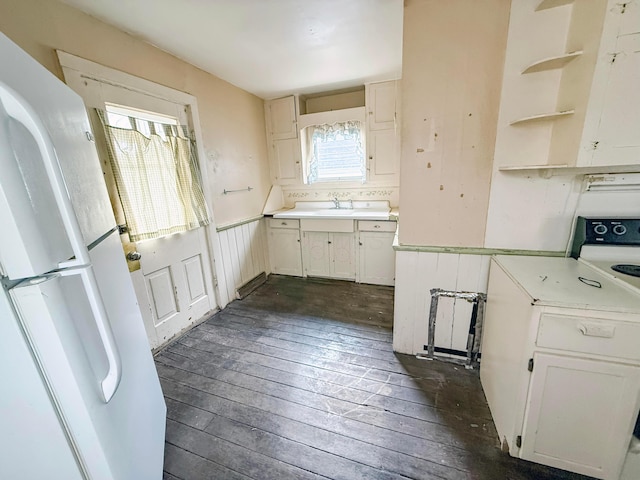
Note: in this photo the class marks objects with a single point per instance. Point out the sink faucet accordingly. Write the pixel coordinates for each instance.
(351, 203)
(336, 202)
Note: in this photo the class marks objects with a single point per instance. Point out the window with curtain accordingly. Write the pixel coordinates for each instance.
(334, 152)
(157, 174)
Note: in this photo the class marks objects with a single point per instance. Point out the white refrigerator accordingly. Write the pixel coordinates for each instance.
(79, 393)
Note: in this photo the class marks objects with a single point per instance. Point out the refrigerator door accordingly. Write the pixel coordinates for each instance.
(41, 117)
(122, 438)
(34, 443)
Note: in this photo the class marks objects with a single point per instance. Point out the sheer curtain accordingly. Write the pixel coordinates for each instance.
(157, 176)
(334, 152)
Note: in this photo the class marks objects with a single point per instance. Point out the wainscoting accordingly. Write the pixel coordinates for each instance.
(244, 255)
(416, 274)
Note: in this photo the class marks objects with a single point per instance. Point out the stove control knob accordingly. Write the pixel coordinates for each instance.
(600, 229)
(619, 229)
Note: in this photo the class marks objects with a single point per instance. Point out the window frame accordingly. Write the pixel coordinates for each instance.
(334, 116)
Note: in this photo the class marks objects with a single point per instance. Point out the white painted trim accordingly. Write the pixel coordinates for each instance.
(333, 116)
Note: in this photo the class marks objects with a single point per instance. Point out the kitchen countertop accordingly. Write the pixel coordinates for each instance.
(554, 281)
(374, 210)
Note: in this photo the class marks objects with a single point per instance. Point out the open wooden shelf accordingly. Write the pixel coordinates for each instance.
(542, 117)
(515, 168)
(552, 63)
(545, 4)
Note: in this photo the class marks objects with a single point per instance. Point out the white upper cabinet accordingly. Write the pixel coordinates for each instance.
(281, 118)
(285, 161)
(282, 139)
(381, 105)
(612, 127)
(569, 91)
(383, 133)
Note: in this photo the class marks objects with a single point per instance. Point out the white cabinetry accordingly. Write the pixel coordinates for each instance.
(376, 255)
(283, 141)
(281, 118)
(284, 247)
(569, 91)
(574, 403)
(383, 142)
(560, 364)
(612, 125)
(329, 254)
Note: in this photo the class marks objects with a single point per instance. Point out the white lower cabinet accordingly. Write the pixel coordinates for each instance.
(577, 409)
(285, 253)
(562, 382)
(377, 259)
(329, 254)
(334, 249)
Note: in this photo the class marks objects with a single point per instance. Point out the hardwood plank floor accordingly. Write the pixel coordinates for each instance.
(299, 381)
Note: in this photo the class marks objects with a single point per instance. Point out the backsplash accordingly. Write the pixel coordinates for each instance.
(297, 194)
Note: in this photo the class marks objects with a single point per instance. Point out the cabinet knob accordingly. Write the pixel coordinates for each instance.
(376, 226)
(329, 242)
(283, 223)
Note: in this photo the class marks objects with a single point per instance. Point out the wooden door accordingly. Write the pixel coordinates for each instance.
(285, 252)
(285, 161)
(316, 254)
(177, 281)
(381, 105)
(176, 285)
(377, 258)
(579, 414)
(281, 118)
(342, 255)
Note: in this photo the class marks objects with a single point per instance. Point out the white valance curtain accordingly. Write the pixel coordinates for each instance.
(157, 176)
(335, 152)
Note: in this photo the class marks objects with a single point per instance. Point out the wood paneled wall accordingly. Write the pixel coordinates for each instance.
(416, 274)
(244, 255)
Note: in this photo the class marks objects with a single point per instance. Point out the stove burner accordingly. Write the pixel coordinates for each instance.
(633, 270)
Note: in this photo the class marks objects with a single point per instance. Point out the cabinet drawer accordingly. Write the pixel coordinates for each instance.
(590, 335)
(284, 223)
(380, 226)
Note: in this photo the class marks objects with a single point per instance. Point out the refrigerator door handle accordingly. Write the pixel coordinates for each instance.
(20, 110)
(109, 384)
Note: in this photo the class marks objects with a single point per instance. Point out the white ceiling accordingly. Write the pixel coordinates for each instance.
(269, 47)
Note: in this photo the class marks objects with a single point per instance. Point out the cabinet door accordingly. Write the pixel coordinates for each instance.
(285, 161)
(580, 414)
(281, 118)
(342, 255)
(285, 252)
(316, 254)
(383, 156)
(377, 258)
(381, 105)
(618, 136)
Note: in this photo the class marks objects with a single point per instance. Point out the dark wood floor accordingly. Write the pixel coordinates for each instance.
(299, 381)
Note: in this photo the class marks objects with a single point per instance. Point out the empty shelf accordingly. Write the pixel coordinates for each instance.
(542, 117)
(552, 62)
(544, 4)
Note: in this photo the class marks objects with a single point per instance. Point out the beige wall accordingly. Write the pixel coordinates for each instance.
(453, 56)
(232, 120)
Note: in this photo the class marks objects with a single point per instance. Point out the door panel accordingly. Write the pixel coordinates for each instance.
(179, 286)
(162, 295)
(342, 253)
(316, 257)
(195, 279)
(579, 414)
